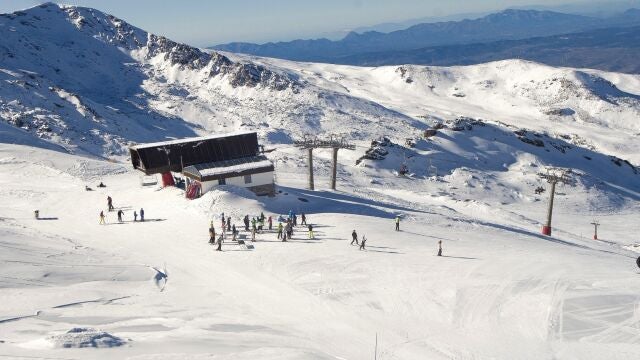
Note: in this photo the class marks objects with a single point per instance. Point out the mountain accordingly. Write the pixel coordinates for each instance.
(91, 83)
(610, 49)
(77, 86)
(506, 25)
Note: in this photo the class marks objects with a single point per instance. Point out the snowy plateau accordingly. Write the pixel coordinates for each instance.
(78, 86)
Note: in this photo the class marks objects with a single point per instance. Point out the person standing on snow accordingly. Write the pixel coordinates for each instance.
(109, 203)
(270, 221)
(364, 240)
(354, 237)
(289, 229)
(280, 230)
(295, 220)
(310, 227)
(120, 213)
(229, 223)
(135, 216)
(219, 248)
(212, 235)
(234, 232)
(439, 247)
(397, 222)
(254, 227)
(246, 223)
(102, 222)
(142, 214)
(253, 234)
(304, 219)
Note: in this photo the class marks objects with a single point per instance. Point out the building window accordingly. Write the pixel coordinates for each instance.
(247, 179)
(222, 181)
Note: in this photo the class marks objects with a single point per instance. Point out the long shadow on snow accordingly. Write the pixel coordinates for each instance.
(336, 202)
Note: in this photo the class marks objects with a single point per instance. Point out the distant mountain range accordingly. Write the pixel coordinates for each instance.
(611, 49)
(398, 46)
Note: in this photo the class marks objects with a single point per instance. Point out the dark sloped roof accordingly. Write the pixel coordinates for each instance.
(159, 157)
(229, 168)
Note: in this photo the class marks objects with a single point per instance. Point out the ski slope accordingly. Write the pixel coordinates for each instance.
(501, 290)
(81, 85)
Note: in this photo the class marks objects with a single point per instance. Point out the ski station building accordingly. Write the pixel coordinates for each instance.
(208, 161)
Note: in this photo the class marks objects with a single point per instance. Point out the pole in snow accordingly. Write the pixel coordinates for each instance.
(595, 224)
(334, 142)
(553, 176)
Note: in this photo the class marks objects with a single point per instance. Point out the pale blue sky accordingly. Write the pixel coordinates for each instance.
(209, 22)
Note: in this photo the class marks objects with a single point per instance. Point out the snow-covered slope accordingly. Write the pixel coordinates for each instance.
(77, 82)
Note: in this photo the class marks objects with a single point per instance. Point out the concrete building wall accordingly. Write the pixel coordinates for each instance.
(260, 179)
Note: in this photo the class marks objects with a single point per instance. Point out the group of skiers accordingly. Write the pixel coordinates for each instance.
(120, 213)
(284, 229)
(256, 225)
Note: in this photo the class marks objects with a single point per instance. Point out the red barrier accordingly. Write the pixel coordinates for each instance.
(167, 180)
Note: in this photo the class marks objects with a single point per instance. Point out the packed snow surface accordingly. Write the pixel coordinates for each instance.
(78, 86)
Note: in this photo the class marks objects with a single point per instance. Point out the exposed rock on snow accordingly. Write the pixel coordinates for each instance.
(85, 337)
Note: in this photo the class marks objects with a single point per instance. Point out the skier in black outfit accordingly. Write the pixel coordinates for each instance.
(120, 213)
(219, 244)
(304, 219)
(212, 235)
(440, 248)
(246, 223)
(141, 214)
(229, 223)
(364, 240)
(354, 238)
(109, 203)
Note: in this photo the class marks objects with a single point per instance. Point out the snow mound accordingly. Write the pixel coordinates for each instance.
(84, 338)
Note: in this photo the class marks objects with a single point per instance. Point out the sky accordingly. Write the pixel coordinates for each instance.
(210, 22)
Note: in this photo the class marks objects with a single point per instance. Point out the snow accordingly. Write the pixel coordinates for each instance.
(230, 166)
(192, 139)
(502, 290)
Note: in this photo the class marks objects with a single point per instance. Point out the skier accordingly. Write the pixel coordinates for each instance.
(270, 221)
(229, 223)
(253, 234)
(311, 232)
(109, 203)
(260, 225)
(223, 221)
(289, 229)
(120, 213)
(354, 237)
(219, 244)
(246, 223)
(280, 230)
(253, 224)
(364, 240)
(397, 222)
(304, 219)
(101, 185)
(102, 218)
(261, 216)
(234, 232)
(212, 235)
(439, 247)
(135, 216)
(142, 214)
(295, 220)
